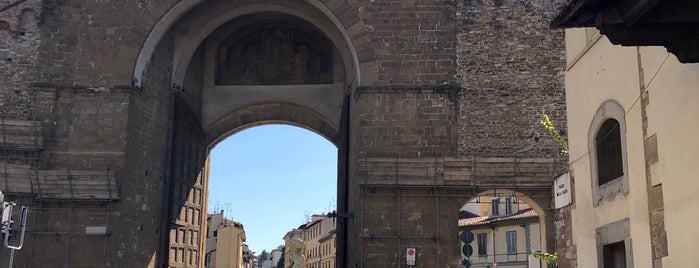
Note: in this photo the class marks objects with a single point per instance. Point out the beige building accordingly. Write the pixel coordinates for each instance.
(505, 231)
(291, 235)
(327, 250)
(225, 240)
(315, 233)
(319, 235)
(633, 120)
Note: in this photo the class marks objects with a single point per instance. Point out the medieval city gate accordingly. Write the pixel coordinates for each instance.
(109, 110)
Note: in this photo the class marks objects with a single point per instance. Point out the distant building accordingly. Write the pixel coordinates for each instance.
(505, 231)
(319, 235)
(267, 263)
(275, 256)
(295, 233)
(314, 233)
(225, 246)
(327, 250)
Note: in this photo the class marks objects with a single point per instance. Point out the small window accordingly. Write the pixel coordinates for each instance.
(609, 161)
(495, 206)
(215, 233)
(511, 242)
(482, 244)
(614, 255)
(508, 205)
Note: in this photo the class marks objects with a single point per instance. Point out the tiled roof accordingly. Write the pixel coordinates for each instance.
(483, 220)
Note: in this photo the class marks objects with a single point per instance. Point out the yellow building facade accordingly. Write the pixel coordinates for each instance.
(225, 243)
(633, 119)
(327, 250)
(320, 238)
(505, 232)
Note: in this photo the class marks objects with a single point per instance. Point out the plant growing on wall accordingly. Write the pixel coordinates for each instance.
(550, 259)
(546, 122)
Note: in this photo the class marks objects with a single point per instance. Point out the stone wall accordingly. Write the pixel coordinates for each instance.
(407, 122)
(413, 42)
(451, 97)
(19, 43)
(94, 43)
(475, 125)
(510, 66)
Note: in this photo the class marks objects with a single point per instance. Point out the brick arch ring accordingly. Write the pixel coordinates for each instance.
(271, 113)
(336, 30)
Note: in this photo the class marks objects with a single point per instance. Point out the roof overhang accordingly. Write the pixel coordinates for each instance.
(673, 24)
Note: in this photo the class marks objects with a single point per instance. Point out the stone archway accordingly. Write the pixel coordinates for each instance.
(197, 44)
(325, 18)
(504, 226)
(430, 100)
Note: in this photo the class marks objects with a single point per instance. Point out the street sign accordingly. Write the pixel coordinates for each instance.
(466, 236)
(467, 250)
(562, 191)
(410, 256)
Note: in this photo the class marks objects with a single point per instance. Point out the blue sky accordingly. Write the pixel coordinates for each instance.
(270, 177)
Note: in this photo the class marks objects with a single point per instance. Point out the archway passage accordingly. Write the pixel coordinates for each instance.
(497, 228)
(272, 179)
(235, 66)
(127, 96)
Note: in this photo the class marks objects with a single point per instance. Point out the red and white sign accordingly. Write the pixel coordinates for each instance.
(410, 256)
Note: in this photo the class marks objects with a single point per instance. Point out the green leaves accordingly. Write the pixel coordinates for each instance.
(550, 259)
(546, 122)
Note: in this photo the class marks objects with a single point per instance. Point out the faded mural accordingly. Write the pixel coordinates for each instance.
(273, 56)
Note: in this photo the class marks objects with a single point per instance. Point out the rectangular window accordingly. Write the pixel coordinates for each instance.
(511, 242)
(508, 206)
(614, 255)
(495, 203)
(482, 244)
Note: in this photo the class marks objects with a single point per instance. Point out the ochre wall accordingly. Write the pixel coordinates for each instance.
(657, 93)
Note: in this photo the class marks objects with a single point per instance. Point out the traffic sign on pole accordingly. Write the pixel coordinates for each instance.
(410, 256)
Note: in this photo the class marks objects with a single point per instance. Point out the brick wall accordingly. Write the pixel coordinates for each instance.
(19, 42)
(412, 41)
(407, 122)
(445, 82)
(150, 123)
(510, 65)
(480, 129)
(94, 43)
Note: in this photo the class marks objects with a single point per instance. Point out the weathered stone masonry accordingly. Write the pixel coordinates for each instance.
(446, 104)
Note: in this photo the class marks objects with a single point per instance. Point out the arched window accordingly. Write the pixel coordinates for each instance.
(607, 145)
(609, 162)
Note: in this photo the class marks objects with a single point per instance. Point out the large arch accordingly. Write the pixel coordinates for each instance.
(335, 29)
(193, 33)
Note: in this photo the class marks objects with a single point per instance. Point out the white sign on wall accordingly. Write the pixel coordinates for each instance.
(561, 189)
(410, 256)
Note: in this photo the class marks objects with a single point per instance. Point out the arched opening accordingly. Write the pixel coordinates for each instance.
(609, 156)
(233, 66)
(196, 20)
(501, 228)
(271, 179)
